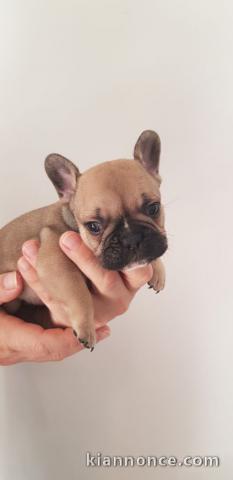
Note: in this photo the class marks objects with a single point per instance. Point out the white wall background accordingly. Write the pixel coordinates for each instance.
(84, 78)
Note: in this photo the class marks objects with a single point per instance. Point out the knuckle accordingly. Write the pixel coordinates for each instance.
(58, 356)
(110, 281)
(66, 349)
(41, 351)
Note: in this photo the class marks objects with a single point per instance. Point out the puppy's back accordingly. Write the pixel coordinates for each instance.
(26, 227)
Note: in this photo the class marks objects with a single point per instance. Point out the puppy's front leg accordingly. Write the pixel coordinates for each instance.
(66, 285)
(157, 282)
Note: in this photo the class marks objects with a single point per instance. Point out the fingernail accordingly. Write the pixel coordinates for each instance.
(70, 240)
(10, 281)
(30, 250)
(23, 264)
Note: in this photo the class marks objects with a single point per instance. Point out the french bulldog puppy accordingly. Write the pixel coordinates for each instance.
(116, 208)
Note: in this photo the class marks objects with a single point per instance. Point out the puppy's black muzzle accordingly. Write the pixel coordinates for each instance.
(138, 244)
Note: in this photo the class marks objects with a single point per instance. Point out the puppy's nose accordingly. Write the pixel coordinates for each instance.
(132, 240)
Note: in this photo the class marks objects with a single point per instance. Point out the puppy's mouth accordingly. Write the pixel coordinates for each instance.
(130, 248)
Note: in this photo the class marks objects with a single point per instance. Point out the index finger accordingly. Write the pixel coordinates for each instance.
(105, 280)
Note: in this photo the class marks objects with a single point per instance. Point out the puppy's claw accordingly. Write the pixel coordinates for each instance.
(154, 288)
(85, 342)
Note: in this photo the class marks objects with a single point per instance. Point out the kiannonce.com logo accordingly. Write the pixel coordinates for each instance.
(100, 460)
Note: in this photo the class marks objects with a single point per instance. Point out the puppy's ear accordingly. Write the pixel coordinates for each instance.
(147, 151)
(63, 174)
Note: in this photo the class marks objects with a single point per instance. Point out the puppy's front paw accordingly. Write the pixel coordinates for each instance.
(157, 282)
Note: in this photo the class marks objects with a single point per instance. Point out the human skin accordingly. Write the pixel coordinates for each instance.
(23, 341)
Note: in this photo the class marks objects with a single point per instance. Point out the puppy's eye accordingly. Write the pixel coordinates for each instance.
(153, 209)
(94, 227)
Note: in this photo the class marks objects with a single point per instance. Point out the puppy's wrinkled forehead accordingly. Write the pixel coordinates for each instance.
(115, 187)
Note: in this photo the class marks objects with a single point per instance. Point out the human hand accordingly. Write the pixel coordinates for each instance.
(111, 291)
(27, 342)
